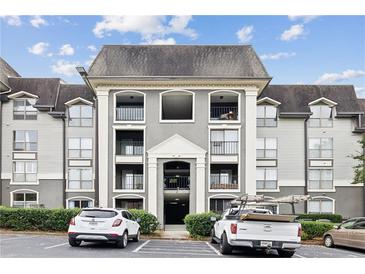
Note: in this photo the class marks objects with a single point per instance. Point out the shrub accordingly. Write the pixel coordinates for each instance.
(148, 223)
(36, 218)
(314, 229)
(199, 225)
(334, 218)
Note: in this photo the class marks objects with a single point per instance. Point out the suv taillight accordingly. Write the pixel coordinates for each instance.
(234, 228)
(117, 222)
(300, 230)
(72, 221)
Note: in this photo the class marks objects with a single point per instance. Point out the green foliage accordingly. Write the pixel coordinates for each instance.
(148, 223)
(200, 225)
(314, 229)
(36, 218)
(334, 218)
(359, 169)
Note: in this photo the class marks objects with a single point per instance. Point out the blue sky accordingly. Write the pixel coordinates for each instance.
(294, 49)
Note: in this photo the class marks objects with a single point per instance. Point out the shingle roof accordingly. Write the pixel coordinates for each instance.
(6, 71)
(69, 92)
(178, 60)
(295, 98)
(45, 88)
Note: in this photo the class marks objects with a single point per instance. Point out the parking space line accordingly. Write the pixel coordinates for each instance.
(151, 248)
(53, 246)
(142, 245)
(214, 249)
(178, 253)
(20, 237)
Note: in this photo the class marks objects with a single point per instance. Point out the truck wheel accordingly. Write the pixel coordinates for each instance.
(212, 240)
(328, 241)
(74, 242)
(122, 243)
(285, 253)
(225, 247)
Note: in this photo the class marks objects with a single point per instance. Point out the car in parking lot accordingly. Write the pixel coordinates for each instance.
(103, 225)
(350, 233)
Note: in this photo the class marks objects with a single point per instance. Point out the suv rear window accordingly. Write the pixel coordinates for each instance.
(98, 213)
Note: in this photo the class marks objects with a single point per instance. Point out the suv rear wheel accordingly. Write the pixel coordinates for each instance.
(225, 247)
(74, 242)
(122, 243)
(286, 253)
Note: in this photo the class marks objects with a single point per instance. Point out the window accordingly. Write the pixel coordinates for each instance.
(320, 206)
(25, 171)
(80, 203)
(80, 116)
(23, 109)
(359, 225)
(320, 148)
(24, 200)
(80, 148)
(224, 176)
(321, 117)
(224, 106)
(177, 105)
(224, 142)
(25, 140)
(220, 205)
(266, 116)
(129, 203)
(80, 178)
(320, 178)
(129, 106)
(266, 178)
(266, 148)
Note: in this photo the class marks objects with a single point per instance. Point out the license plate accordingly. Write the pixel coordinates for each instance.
(93, 223)
(266, 244)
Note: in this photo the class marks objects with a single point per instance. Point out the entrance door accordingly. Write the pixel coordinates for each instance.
(175, 211)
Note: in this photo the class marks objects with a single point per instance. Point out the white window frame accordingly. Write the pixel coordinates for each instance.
(13, 182)
(177, 121)
(25, 142)
(80, 117)
(265, 106)
(130, 197)
(321, 118)
(115, 105)
(225, 121)
(80, 148)
(79, 198)
(221, 196)
(25, 111)
(265, 149)
(320, 148)
(277, 189)
(23, 191)
(323, 198)
(92, 189)
(333, 189)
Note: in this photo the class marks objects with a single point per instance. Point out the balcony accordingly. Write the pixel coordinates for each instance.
(224, 176)
(129, 146)
(223, 112)
(129, 113)
(129, 177)
(224, 147)
(131, 182)
(176, 182)
(224, 106)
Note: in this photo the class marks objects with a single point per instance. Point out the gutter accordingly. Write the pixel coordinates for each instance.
(64, 162)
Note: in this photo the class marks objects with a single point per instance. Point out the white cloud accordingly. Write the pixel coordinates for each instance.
(65, 68)
(338, 77)
(39, 48)
(303, 18)
(38, 21)
(244, 35)
(168, 41)
(66, 49)
(295, 32)
(149, 27)
(12, 20)
(92, 48)
(277, 56)
(360, 92)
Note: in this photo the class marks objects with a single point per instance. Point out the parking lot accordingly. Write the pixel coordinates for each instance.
(51, 246)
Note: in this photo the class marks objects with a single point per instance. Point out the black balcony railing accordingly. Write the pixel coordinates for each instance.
(129, 147)
(130, 181)
(223, 113)
(129, 113)
(224, 147)
(177, 182)
(223, 181)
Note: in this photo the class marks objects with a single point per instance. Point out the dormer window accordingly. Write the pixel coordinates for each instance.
(23, 109)
(80, 116)
(266, 116)
(321, 117)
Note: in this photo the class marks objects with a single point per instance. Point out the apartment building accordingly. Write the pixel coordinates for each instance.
(177, 130)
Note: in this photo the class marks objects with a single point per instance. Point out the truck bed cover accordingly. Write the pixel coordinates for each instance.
(267, 217)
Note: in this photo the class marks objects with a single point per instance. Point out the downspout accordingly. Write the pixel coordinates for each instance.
(363, 181)
(306, 162)
(64, 162)
(1, 134)
(96, 164)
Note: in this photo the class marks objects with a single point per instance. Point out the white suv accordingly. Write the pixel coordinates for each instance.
(105, 225)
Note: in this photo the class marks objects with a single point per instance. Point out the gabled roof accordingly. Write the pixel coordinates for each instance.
(69, 92)
(296, 98)
(232, 61)
(268, 101)
(6, 71)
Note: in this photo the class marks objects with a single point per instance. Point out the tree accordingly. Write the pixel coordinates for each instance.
(359, 169)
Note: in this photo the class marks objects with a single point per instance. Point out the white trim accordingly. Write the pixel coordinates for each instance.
(322, 190)
(268, 100)
(238, 104)
(80, 198)
(23, 190)
(176, 121)
(23, 93)
(78, 100)
(324, 100)
(130, 196)
(80, 190)
(114, 107)
(324, 198)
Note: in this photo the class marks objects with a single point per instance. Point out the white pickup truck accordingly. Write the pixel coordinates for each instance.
(257, 229)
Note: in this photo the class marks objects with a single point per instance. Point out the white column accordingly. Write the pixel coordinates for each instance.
(200, 185)
(103, 102)
(250, 140)
(152, 186)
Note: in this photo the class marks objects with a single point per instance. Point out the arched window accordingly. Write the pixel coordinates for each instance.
(224, 105)
(129, 201)
(321, 205)
(129, 106)
(220, 202)
(177, 105)
(24, 198)
(80, 202)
